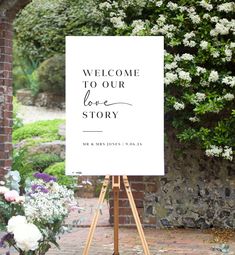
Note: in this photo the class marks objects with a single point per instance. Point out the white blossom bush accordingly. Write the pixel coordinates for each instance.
(199, 57)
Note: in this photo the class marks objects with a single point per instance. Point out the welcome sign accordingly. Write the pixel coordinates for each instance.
(114, 105)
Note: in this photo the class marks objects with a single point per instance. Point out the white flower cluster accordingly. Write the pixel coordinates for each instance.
(194, 119)
(223, 27)
(214, 76)
(179, 106)
(204, 45)
(193, 15)
(170, 78)
(199, 97)
(226, 7)
(26, 235)
(118, 22)
(49, 207)
(228, 97)
(229, 80)
(206, 5)
(188, 40)
(138, 26)
(217, 151)
(185, 76)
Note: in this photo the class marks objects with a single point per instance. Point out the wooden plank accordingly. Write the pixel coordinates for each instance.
(136, 215)
(96, 216)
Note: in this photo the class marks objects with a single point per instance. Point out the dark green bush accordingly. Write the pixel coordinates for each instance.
(58, 170)
(41, 161)
(51, 75)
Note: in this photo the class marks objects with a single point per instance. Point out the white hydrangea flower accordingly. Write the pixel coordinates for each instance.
(229, 80)
(179, 106)
(27, 237)
(214, 76)
(228, 97)
(228, 153)
(195, 18)
(226, 7)
(187, 57)
(185, 76)
(204, 45)
(170, 78)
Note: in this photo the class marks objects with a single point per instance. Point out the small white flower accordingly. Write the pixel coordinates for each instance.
(228, 97)
(229, 80)
(226, 7)
(200, 97)
(228, 153)
(200, 70)
(206, 5)
(232, 45)
(138, 26)
(187, 57)
(214, 76)
(159, 3)
(179, 106)
(214, 151)
(172, 6)
(206, 16)
(185, 76)
(194, 119)
(204, 45)
(117, 22)
(170, 78)
(215, 54)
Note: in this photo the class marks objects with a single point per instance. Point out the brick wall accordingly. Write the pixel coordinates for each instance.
(139, 186)
(8, 10)
(6, 34)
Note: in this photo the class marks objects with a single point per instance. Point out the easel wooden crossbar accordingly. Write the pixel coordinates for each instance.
(116, 182)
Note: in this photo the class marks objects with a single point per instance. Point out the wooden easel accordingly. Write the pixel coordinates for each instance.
(116, 181)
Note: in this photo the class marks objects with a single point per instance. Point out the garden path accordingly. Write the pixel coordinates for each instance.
(34, 113)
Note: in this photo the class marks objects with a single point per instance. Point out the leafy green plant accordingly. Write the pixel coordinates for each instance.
(47, 129)
(41, 161)
(58, 170)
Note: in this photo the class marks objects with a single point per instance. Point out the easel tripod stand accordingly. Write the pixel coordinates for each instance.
(116, 181)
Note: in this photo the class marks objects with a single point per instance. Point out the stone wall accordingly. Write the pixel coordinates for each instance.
(196, 192)
(8, 10)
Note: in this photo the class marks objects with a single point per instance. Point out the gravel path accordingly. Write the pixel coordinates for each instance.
(34, 113)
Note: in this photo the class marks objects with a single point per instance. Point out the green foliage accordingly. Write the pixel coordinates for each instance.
(58, 170)
(46, 129)
(42, 26)
(22, 164)
(17, 121)
(51, 75)
(199, 54)
(24, 75)
(41, 161)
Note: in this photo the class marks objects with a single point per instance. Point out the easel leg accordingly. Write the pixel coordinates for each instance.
(136, 215)
(116, 188)
(97, 213)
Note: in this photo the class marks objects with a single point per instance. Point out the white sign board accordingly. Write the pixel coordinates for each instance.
(114, 105)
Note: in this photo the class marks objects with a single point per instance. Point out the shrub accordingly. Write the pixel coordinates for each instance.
(47, 129)
(58, 170)
(51, 75)
(41, 161)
